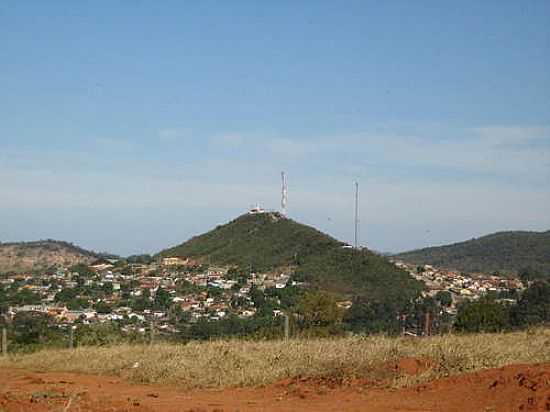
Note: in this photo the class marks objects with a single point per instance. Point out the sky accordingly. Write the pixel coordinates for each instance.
(130, 126)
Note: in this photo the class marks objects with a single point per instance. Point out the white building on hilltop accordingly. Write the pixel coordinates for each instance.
(254, 210)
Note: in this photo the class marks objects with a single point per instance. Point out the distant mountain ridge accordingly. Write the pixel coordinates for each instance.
(270, 242)
(505, 252)
(41, 254)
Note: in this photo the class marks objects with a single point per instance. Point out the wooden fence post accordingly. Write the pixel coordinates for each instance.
(71, 337)
(427, 323)
(287, 327)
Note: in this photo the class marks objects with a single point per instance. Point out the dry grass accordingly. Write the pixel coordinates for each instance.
(245, 363)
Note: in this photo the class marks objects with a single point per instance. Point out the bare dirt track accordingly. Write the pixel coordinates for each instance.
(512, 388)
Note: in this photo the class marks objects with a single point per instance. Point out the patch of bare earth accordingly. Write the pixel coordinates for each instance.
(510, 388)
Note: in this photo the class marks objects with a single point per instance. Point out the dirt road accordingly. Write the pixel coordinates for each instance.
(513, 388)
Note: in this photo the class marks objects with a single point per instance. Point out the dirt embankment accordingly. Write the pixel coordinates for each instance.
(511, 388)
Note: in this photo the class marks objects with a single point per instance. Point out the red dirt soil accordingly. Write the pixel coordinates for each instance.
(512, 388)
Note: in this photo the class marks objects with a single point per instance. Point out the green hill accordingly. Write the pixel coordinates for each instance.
(504, 252)
(269, 242)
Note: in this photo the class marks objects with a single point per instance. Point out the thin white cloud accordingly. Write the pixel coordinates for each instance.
(499, 135)
(229, 139)
(175, 134)
(497, 150)
(321, 173)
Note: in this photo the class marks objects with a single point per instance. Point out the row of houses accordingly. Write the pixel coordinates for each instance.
(120, 283)
(461, 285)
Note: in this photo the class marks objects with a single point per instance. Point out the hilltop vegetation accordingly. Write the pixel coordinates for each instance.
(271, 242)
(261, 242)
(361, 273)
(503, 252)
(28, 256)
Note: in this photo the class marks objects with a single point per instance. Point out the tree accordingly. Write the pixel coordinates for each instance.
(178, 316)
(25, 297)
(103, 307)
(31, 327)
(78, 304)
(287, 296)
(444, 298)
(319, 309)
(423, 315)
(185, 287)
(257, 297)
(529, 274)
(534, 305)
(372, 317)
(107, 288)
(262, 303)
(214, 292)
(163, 300)
(66, 295)
(239, 302)
(203, 329)
(483, 315)
(142, 302)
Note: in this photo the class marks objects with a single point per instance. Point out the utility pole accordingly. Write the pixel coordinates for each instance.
(356, 235)
(356, 215)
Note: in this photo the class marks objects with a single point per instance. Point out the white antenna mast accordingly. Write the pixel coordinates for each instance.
(284, 193)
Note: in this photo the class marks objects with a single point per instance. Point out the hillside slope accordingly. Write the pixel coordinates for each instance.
(24, 256)
(269, 241)
(505, 252)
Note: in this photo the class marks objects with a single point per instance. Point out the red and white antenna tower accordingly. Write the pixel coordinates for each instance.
(284, 193)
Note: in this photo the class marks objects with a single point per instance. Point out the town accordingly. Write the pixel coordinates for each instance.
(460, 287)
(165, 295)
(152, 293)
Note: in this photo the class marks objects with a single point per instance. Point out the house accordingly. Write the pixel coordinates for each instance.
(101, 265)
(175, 261)
(247, 313)
(344, 304)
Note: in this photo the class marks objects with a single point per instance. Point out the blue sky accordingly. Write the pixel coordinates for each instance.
(130, 126)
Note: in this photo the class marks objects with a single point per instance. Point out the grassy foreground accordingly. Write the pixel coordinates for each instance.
(219, 364)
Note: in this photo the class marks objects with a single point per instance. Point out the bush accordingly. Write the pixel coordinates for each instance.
(98, 335)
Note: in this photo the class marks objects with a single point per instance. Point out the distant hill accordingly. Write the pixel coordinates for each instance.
(26, 256)
(270, 242)
(504, 252)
